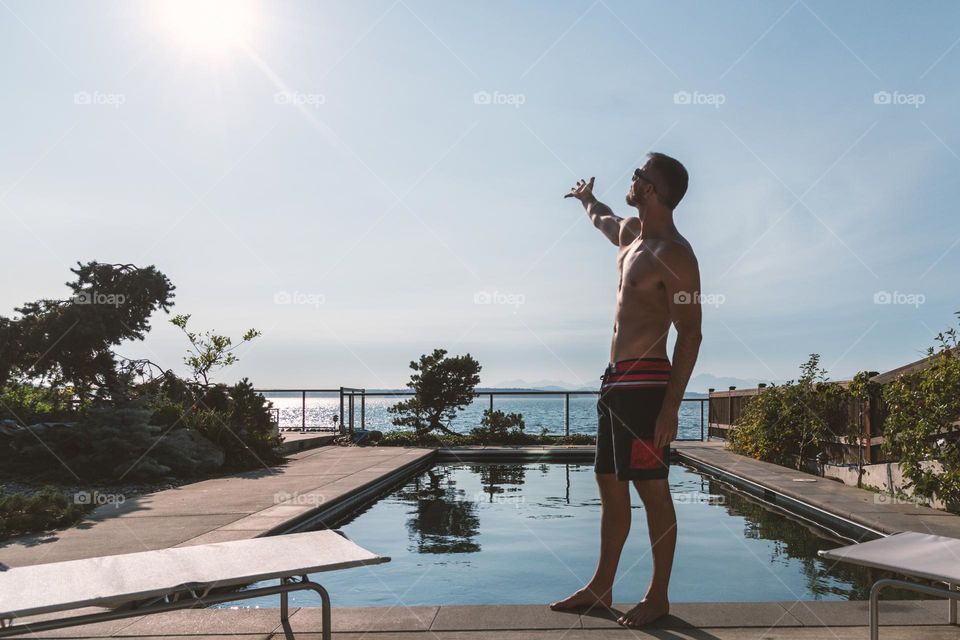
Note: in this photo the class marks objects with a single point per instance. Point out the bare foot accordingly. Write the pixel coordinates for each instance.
(585, 598)
(647, 611)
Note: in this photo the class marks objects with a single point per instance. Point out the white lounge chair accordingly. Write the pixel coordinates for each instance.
(917, 555)
(136, 584)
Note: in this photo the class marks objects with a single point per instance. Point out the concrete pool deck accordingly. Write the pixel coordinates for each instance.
(903, 620)
(322, 480)
(876, 511)
(239, 506)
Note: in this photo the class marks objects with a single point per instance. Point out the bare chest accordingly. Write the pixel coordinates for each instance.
(639, 268)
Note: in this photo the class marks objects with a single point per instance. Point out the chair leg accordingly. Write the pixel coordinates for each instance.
(285, 614)
(952, 603)
(875, 609)
(325, 602)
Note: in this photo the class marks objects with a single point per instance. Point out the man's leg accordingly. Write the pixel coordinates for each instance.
(614, 527)
(662, 523)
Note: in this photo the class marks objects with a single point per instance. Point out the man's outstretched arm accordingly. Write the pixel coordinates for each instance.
(601, 215)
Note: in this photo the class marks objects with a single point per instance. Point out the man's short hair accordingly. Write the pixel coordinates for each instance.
(672, 178)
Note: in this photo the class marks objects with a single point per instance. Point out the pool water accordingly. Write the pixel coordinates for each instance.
(499, 533)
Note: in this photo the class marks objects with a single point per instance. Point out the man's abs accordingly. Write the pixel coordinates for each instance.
(642, 319)
(639, 335)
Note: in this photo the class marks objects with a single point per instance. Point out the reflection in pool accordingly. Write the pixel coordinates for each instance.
(522, 533)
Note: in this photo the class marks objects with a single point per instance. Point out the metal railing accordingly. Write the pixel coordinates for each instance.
(348, 401)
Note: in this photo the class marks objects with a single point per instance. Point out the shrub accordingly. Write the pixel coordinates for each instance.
(921, 424)
(414, 439)
(27, 403)
(498, 427)
(786, 423)
(47, 509)
(240, 424)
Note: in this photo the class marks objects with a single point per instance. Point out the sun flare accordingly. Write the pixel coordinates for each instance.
(206, 25)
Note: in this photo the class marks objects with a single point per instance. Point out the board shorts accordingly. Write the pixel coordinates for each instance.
(631, 395)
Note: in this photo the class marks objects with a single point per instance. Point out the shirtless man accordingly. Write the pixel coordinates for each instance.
(641, 393)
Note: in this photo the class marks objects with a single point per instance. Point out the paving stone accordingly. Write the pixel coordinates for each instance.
(365, 619)
(224, 621)
(855, 613)
(490, 617)
(701, 614)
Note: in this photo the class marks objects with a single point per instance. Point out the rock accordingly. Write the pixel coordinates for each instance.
(187, 452)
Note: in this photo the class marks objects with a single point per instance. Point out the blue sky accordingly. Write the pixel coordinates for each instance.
(337, 178)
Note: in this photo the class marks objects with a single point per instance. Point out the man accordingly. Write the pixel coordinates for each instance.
(641, 392)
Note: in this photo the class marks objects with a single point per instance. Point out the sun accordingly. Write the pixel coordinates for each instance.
(213, 26)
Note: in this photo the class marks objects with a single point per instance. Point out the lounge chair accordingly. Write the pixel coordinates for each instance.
(137, 584)
(917, 555)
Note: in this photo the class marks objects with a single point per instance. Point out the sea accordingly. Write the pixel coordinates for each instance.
(539, 412)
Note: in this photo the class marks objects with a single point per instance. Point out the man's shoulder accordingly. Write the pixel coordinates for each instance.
(629, 230)
(676, 251)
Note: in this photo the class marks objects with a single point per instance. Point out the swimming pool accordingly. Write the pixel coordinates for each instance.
(527, 533)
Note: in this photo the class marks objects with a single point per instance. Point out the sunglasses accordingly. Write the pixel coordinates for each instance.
(638, 175)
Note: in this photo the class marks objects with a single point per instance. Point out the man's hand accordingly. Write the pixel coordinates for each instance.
(665, 430)
(583, 191)
(600, 214)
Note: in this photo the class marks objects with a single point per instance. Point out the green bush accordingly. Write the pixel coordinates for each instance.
(786, 423)
(27, 403)
(498, 427)
(47, 509)
(411, 439)
(922, 410)
(240, 424)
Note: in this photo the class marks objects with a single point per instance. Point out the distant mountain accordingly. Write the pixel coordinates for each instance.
(545, 385)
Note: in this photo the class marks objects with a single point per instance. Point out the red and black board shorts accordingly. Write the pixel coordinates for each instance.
(631, 395)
